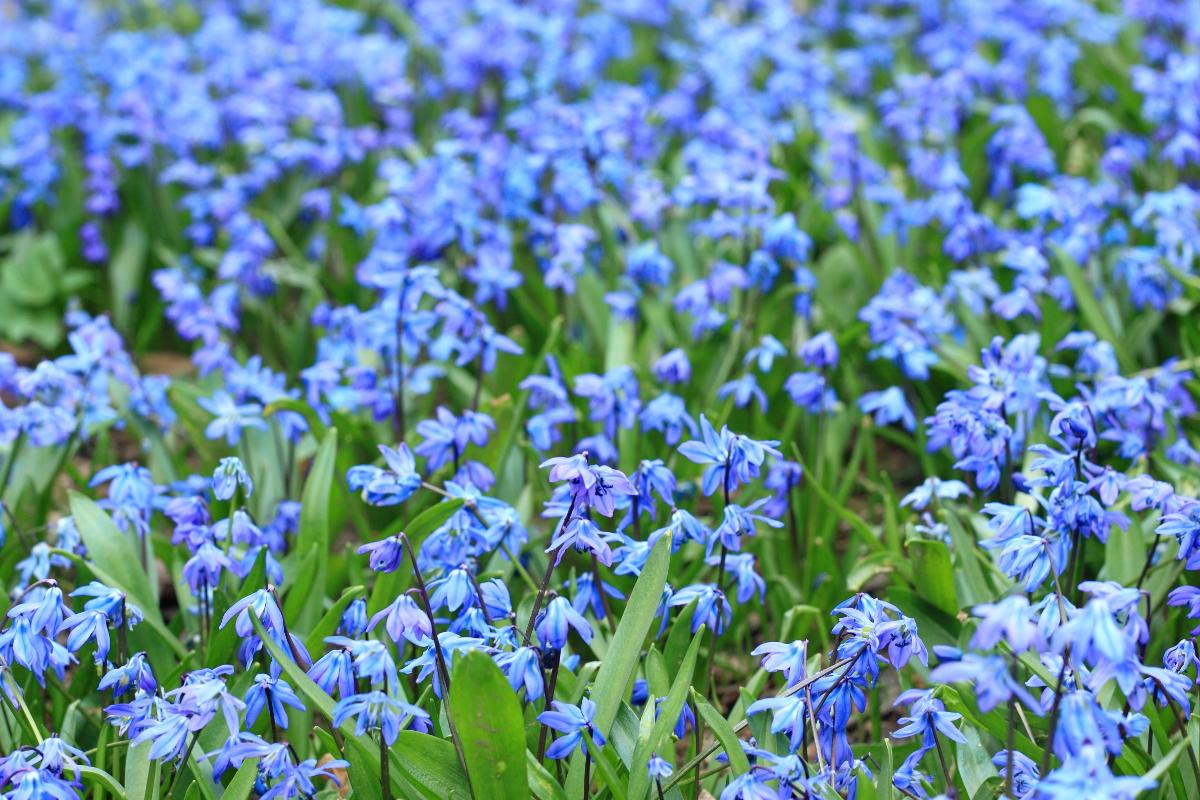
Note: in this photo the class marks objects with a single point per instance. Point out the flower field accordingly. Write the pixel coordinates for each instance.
(625, 399)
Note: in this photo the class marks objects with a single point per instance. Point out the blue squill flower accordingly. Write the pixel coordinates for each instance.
(228, 476)
(573, 721)
(231, 417)
(276, 693)
(582, 535)
(377, 711)
(135, 675)
(556, 622)
(391, 486)
(404, 620)
(523, 668)
(888, 406)
(927, 718)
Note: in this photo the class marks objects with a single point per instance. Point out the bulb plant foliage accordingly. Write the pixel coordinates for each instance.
(627, 399)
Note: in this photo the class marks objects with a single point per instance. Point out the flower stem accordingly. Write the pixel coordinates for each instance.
(1053, 726)
(551, 559)
(937, 740)
(385, 779)
(541, 751)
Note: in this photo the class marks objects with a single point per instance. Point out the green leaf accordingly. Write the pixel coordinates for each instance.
(724, 733)
(932, 574)
(974, 764)
(366, 783)
(303, 607)
(620, 661)
(639, 780)
(141, 773)
(243, 781)
(542, 784)
(113, 551)
(125, 271)
(883, 779)
(430, 764)
(100, 779)
(491, 727)
(678, 640)
(970, 570)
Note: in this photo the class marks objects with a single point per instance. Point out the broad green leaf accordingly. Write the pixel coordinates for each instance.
(112, 550)
(639, 780)
(724, 733)
(542, 784)
(877, 563)
(141, 773)
(883, 783)
(243, 781)
(933, 576)
(303, 607)
(969, 572)
(491, 727)
(625, 649)
(125, 271)
(366, 780)
(974, 762)
(679, 638)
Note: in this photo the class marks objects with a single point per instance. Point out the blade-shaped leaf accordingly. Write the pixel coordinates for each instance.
(625, 649)
(639, 779)
(491, 727)
(724, 733)
(303, 607)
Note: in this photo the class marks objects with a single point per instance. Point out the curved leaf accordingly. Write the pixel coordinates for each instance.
(491, 727)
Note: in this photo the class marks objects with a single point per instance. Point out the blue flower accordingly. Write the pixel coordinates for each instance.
(1010, 620)
(712, 607)
(790, 659)
(920, 497)
(377, 711)
(583, 535)
(391, 486)
(573, 721)
(228, 475)
(231, 417)
(789, 716)
(927, 718)
(731, 459)
(385, 554)
(556, 622)
(673, 367)
(523, 668)
(888, 406)
(658, 768)
(404, 620)
(274, 691)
